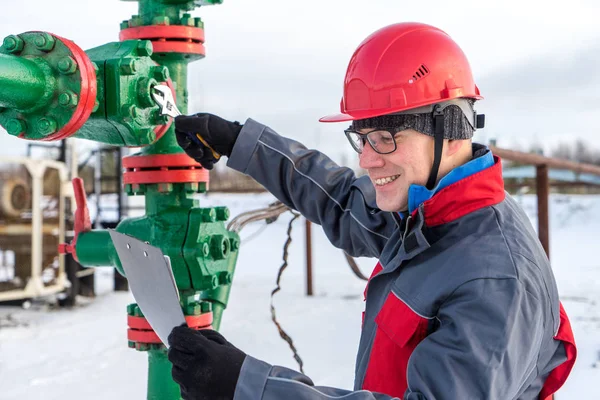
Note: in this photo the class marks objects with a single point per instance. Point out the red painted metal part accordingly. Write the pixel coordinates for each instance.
(169, 38)
(178, 47)
(82, 221)
(87, 96)
(193, 321)
(163, 168)
(140, 330)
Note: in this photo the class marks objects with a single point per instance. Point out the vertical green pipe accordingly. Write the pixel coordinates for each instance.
(22, 82)
(160, 384)
(153, 8)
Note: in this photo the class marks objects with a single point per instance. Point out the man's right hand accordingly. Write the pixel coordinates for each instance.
(218, 133)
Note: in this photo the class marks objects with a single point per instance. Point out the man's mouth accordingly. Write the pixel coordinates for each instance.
(386, 180)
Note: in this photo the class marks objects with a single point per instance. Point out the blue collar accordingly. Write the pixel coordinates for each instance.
(417, 194)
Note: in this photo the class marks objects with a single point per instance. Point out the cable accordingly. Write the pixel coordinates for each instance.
(282, 333)
(269, 214)
(253, 235)
(354, 267)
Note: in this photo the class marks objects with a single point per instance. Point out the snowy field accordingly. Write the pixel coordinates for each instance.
(54, 354)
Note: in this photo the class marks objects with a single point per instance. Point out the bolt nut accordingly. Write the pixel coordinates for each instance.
(142, 346)
(67, 65)
(234, 244)
(129, 111)
(160, 73)
(13, 44)
(15, 126)
(198, 22)
(128, 66)
(219, 247)
(138, 311)
(136, 21)
(46, 126)
(205, 249)
(225, 278)
(161, 20)
(164, 187)
(44, 41)
(193, 309)
(208, 215)
(144, 92)
(222, 213)
(190, 187)
(68, 99)
(187, 20)
(133, 189)
(206, 307)
(144, 48)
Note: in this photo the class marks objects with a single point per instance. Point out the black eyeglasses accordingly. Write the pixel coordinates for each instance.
(381, 140)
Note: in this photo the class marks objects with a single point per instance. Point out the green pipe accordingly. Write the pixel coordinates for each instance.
(160, 385)
(95, 249)
(22, 82)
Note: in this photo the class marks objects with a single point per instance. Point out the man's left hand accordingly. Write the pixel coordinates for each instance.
(205, 365)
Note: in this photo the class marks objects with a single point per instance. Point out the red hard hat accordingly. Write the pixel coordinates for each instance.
(403, 66)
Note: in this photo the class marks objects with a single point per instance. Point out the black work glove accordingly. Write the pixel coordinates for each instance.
(218, 133)
(205, 365)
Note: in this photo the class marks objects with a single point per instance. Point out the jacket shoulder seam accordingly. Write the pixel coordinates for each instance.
(512, 259)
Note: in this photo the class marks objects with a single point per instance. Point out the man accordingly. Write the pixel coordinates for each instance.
(463, 303)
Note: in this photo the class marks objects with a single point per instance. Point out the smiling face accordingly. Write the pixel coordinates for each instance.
(392, 174)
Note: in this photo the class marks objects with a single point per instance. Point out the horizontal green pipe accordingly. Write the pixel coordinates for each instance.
(22, 82)
(95, 249)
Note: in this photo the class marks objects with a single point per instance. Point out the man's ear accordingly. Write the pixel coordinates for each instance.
(453, 146)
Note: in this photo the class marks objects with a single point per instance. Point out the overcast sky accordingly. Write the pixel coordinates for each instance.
(283, 62)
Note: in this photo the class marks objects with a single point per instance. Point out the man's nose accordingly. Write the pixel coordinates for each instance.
(369, 158)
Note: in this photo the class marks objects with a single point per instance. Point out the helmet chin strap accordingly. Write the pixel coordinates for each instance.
(438, 136)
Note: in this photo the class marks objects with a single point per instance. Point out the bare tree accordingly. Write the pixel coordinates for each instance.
(563, 151)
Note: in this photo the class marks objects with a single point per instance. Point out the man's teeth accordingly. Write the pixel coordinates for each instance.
(383, 181)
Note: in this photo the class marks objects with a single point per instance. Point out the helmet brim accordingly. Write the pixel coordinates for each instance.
(341, 117)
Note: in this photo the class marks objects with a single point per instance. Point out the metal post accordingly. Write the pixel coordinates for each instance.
(543, 188)
(309, 277)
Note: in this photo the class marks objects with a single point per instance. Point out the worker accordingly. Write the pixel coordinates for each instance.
(463, 303)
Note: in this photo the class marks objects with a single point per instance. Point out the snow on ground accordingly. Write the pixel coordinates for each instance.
(49, 353)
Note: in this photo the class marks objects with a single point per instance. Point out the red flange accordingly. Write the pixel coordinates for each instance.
(87, 96)
(168, 38)
(193, 321)
(140, 330)
(163, 168)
